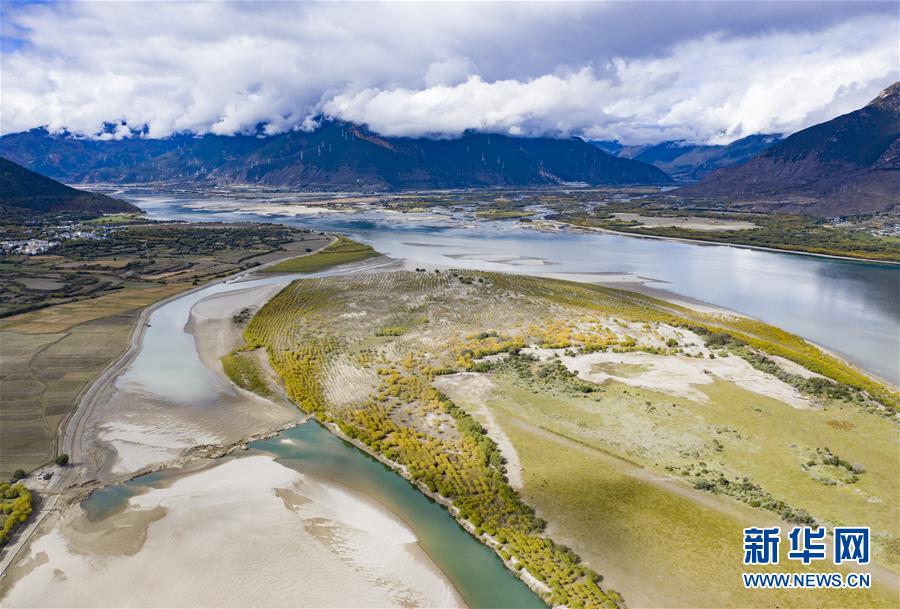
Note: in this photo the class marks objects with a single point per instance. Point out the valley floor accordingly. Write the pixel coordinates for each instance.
(602, 442)
(301, 536)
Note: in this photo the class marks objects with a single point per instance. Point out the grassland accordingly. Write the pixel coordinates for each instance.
(616, 468)
(658, 546)
(116, 219)
(503, 214)
(341, 251)
(49, 355)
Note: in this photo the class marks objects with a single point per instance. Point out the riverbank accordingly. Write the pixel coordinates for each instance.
(609, 231)
(600, 381)
(70, 431)
(211, 320)
(345, 537)
(848, 307)
(302, 538)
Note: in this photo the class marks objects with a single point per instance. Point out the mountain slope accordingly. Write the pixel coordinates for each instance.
(23, 191)
(848, 165)
(690, 162)
(336, 155)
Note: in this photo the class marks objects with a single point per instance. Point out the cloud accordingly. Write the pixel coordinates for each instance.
(635, 71)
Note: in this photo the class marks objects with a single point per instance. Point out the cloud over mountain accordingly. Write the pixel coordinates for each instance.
(704, 72)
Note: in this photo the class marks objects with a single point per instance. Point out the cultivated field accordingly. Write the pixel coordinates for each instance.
(505, 394)
(48, 356)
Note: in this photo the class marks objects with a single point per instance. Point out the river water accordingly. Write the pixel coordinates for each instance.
(848, 307)
(168, 366)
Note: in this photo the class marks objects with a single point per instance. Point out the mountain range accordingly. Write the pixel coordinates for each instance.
(337, 155)
(24, 193)
(687, 162)
(848, 165)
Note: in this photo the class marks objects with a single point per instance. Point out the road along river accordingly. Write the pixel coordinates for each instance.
(298, 519)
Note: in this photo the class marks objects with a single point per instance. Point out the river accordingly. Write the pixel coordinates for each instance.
(846, 306)
(849, 307)
(169, 367)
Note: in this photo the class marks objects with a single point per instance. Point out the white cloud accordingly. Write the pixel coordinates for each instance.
(640, 73)
(450, 71)
(711, 90)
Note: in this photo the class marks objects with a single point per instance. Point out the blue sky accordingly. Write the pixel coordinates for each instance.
(635, 71)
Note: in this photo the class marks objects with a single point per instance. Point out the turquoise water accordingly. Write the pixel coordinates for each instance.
(476, 572)
(846, 306)
(106, 501)
(168, 366)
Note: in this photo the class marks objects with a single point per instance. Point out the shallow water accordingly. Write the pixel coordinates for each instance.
(107, 501)
(479, 576)
(169, 367)
(848, 307)
(168, 364)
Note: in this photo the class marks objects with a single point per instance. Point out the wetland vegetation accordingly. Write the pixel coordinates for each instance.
(468, 381)
(647, 211)
(863, 237)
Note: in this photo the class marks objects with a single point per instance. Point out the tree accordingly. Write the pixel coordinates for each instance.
(18, 474)
(62, 459)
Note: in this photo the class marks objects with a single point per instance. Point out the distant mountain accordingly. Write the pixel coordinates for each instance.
(690, 162)
(24, 192)
(664, 152)
(336, 155)
(695, 164)
(848, 165)
(609, 146)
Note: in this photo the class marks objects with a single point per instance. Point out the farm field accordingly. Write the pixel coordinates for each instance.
(96, 260)
(503, 395)
(50, 355)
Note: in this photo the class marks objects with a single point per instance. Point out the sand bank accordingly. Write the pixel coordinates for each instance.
(248, 530)
(676, 375)
(687, 222)
(133, 426)
(212, 325)
(303, 542)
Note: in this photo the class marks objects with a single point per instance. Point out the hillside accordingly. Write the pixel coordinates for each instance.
(687, 162)
(336, 155)
(23, 191)
(848, 165)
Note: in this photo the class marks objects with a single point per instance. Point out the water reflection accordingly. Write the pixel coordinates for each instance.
(848, 307)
